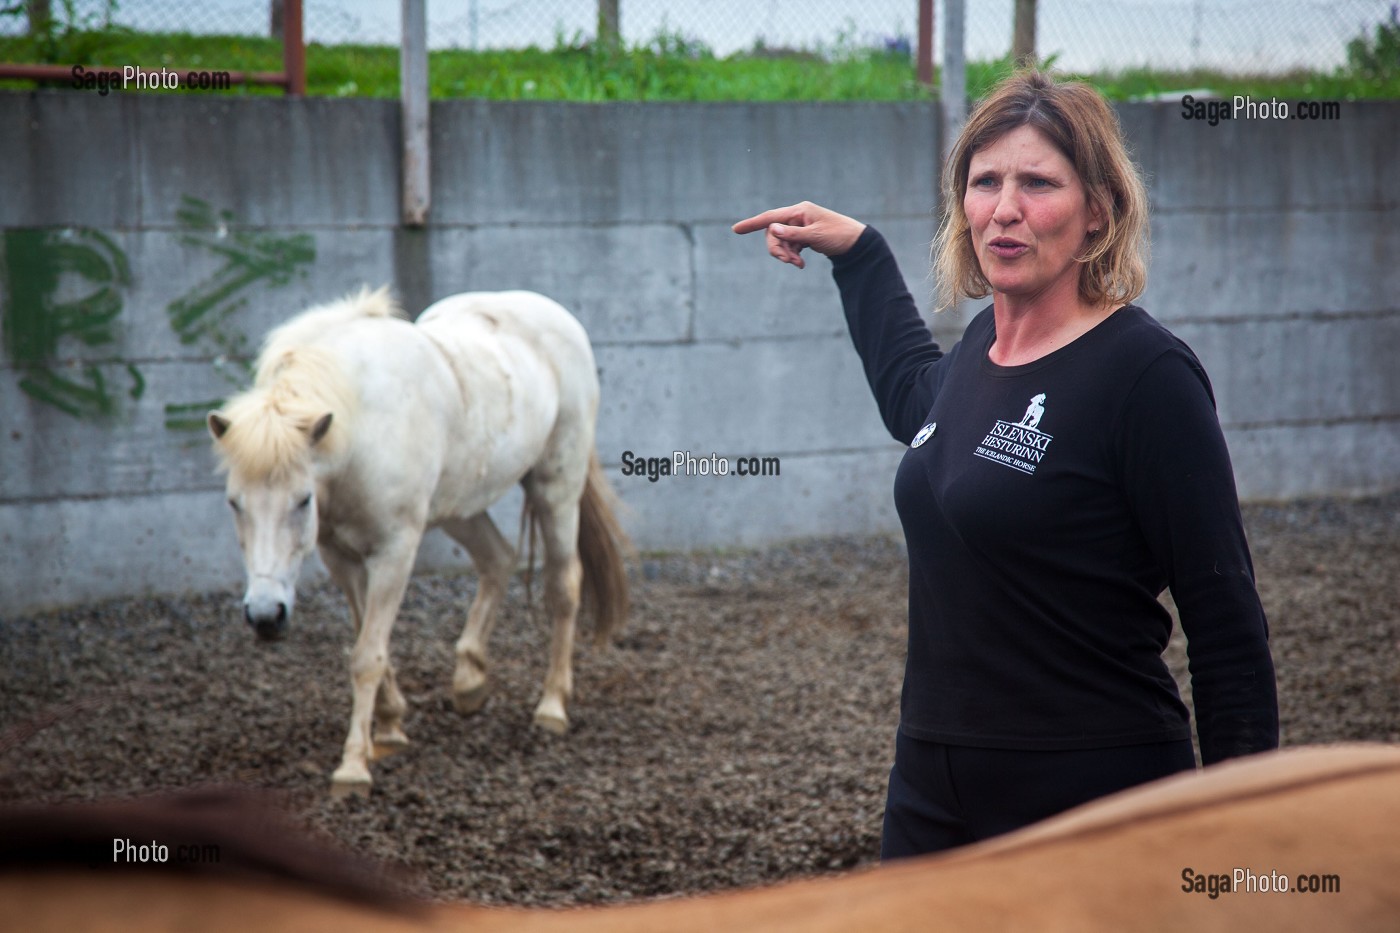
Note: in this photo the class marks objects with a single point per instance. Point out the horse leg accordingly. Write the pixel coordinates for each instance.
(563, 576)
(389, 707)
(348, 570)
(494, 559)
(387, 572)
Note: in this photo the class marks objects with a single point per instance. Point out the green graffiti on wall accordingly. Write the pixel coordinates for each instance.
(68, 285)
(64, 284)
(249, 257)
(202, 315)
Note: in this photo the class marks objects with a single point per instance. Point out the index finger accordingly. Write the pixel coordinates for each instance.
(778, 215)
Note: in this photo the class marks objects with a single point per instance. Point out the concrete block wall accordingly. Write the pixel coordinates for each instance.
(147, 243)
(1276, 256)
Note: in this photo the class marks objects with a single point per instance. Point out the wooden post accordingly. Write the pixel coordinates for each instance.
(925, 52)
(413, 74)
(609, 24)
(294, 48)
(1023, 34)
(40, 16)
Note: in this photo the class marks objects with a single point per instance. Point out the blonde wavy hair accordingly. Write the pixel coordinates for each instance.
(1079, 122)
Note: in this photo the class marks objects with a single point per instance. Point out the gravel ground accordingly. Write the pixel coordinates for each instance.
(738, 733)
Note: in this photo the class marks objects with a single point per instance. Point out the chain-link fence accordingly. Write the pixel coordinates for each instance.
(1234, 36)
(1238, 36)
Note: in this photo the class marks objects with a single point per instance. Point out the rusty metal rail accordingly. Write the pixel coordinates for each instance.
(292, 77)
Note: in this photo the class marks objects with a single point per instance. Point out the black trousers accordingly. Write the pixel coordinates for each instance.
(941, 796)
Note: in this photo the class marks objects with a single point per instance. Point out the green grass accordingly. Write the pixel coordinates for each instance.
(668, 68)
(1137, 84)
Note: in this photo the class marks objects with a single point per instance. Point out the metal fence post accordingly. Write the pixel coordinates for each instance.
(953, 86)
(925, 51)
(413, 71)
(293, 48)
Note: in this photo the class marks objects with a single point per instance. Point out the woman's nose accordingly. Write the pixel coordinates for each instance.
(1008, 209)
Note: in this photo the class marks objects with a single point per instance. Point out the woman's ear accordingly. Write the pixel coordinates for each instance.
(1095, 217)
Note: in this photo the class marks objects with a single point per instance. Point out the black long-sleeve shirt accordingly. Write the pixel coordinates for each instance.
(1045, 508)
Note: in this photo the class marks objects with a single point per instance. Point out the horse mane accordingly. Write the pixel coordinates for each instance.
(296, 382)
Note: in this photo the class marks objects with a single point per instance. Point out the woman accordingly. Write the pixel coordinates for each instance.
(1065, 466)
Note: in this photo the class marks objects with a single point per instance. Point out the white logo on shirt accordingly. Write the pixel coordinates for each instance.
(1034, 411)
(924, 433)
(1020, 446)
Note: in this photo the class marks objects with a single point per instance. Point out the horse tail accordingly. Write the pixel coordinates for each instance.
(603, 548)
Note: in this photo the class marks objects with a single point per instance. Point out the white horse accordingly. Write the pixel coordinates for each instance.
(362, 430)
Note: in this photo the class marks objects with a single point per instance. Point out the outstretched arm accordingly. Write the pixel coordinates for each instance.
(792, 229)
(895, 347)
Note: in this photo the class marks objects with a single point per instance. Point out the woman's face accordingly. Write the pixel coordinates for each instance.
(1029, 215)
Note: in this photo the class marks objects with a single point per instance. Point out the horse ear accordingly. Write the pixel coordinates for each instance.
(319, 429)
(218, 425)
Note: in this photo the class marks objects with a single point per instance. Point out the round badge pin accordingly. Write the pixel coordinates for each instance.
(924, 433)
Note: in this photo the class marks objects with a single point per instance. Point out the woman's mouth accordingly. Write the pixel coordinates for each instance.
(1007, 248)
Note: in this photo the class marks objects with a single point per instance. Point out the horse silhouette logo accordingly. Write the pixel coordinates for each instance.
(1034, 411)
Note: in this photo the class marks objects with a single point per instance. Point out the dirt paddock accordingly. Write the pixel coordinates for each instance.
(738, 733)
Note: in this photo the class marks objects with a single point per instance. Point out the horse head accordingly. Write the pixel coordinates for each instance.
(273, 500)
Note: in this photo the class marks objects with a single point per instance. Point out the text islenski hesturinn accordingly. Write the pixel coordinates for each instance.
(1026, 443)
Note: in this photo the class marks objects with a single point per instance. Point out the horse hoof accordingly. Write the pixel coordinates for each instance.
(471, 701)
(350, 780)
(390, 744)
(342, 789)
(553, 723)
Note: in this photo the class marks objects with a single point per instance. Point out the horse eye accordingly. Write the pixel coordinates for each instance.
(304, 502)
(233, 504)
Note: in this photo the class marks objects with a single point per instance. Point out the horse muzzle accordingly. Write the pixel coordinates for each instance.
(269, 622)
(267, 606)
